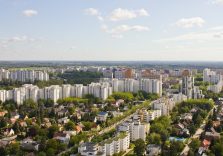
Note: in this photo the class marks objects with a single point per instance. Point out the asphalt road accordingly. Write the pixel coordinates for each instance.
(197, 135)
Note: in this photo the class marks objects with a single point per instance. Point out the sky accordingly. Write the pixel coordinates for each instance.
(111, 30)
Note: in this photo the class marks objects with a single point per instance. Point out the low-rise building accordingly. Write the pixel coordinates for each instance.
(153, 150)
(29, 144)
(102, 116)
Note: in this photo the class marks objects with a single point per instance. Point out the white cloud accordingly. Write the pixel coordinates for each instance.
(211, 34)
(125, 28)
(30, 13)
(218, 2)
(100, 18)
(17, 39)
(190, 22)
(124, 14)
(92, 11)
(117, 31)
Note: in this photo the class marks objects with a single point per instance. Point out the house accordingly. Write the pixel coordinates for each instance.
(46, 123)
(70, 105)
(153, 150)
(7, 140)
(204, 147)
(179, 126)
(2, 113)
(95, 120)
(78, 129)
(26, 117)
(81, 125)
(201, 151)
(187, 117)
(206, 143)
(13, 120)
(102, 116)
(63, 112)
(71, 133)
(126, 108)
(9, 132)
(15, 115)
(63, 120)
(115, 113)
(186, 132)
(33, 119)
(181, 130)
(119, 102)
(212, 135)
(62, 137)
(29, 144)
(23, 124)
(194, 110)
(216, 124)
(78, 115)
(3, 144)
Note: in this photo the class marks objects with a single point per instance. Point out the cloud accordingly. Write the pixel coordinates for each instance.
(211, 34)
(100, 18)
(117, 31)
(92, 12)
(190, 22)
(218, 2)
(117, 15)
(17, 39)
(30, 13)
(20, 39)
(125, 14)
(125, 28)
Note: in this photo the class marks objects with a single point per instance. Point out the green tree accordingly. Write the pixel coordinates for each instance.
(123, 95)
(195, 144)
(41, 153)
(154, 138)
(176, 148)
(140, 147)
(69, 126)
(14, 148)
(3, 122)
(50, 152)
(52, 130)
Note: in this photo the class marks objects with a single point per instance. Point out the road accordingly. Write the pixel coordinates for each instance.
(107, 129)
(197, 135)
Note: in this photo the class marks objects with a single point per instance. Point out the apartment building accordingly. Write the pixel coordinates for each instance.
(214, 79)
(107, 147)
(23, 75)
(136, 129)
(165, 105)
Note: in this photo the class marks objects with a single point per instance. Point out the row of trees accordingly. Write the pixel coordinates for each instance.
(80, 77)
(129, 97)
(202, 106)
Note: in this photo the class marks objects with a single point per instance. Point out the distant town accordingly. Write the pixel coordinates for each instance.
(111, 109)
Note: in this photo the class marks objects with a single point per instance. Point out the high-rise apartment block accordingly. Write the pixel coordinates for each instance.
(23, 75)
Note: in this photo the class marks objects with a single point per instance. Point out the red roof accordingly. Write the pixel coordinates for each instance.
(206, 143)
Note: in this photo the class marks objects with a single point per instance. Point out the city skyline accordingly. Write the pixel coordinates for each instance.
(117, 30)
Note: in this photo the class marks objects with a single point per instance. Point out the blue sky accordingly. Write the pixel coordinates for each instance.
(111, 30)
